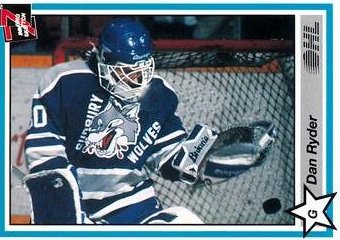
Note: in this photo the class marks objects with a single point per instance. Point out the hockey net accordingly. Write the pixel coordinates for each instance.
(222, 83)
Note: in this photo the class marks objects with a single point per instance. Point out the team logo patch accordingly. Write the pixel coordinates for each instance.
(113, 130)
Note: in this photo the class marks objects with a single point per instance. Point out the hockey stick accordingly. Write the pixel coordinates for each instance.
(17, 172)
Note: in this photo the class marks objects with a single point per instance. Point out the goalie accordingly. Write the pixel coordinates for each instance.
(97, 124)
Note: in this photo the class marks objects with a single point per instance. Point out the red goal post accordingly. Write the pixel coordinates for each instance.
(70, 44)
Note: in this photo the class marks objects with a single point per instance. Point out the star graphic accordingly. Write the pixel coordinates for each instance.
(313, 211)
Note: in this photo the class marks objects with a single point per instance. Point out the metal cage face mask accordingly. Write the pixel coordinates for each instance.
(126, 80)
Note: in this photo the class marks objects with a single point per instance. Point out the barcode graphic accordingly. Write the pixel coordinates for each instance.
(311, 41)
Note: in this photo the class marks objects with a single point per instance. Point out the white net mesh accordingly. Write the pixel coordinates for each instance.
(224, 96)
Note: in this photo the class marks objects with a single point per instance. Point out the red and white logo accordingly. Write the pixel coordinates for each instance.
(17, 22)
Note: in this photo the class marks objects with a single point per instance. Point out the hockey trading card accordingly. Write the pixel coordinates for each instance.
(195, 119)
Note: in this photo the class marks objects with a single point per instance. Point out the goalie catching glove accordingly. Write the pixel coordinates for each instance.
(208, 156)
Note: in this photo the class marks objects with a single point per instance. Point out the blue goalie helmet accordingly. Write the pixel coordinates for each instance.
(125, 63)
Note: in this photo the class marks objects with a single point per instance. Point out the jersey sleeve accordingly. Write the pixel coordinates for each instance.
(167, 146)
(45, 141)
(172, 132)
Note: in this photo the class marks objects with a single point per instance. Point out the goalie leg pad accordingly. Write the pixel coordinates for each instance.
(173, 215)
(55, 197)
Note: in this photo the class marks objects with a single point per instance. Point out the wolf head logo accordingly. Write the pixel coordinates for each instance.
(113, 129)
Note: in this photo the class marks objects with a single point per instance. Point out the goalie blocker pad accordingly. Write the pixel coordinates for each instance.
(192, 153)
(55, 197)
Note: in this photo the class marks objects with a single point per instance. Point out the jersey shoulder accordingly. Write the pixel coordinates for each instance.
(159, 96)
(54, 74)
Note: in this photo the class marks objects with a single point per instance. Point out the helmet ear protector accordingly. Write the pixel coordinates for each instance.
(125, 64)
